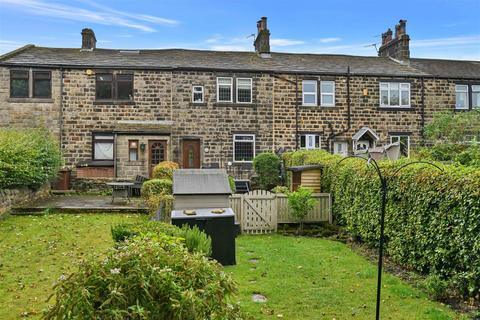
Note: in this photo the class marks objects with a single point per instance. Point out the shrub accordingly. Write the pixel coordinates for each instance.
(267, 168)
(146, 278)
(436, 287)
(301, 203)
(154, 204)
(281, 189)
(231, 182)
(453, 127)
(432, 220)
(156, 187)
(193, 239)
(164, 170)
(28, 158)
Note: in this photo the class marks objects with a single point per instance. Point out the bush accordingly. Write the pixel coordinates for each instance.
(267, 168)
(28, 158)
(164, 170)
(436, 287)
(193, 239)
(432, 220)
(301, 203)
(154, 204)
(281, 189)
(231, 182)
(146, 278)
(156, 187)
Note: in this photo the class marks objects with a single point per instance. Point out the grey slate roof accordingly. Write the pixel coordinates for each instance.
(448, 68)
(210, 60)
(200, 181)
(238, 61)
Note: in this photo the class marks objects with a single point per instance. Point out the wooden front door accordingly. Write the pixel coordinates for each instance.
(157, 151)
(191, 154)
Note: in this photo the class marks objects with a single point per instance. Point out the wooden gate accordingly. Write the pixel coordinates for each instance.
(259, 212)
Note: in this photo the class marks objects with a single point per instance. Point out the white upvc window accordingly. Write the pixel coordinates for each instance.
(243, 147)
(475, 96)
(309, 92)
(310, 141)
(224, 89)
(461, 97)
(340, 147)
(404, 141)
(395, 94)
(327, 93)
(197, 94)
(244, 90)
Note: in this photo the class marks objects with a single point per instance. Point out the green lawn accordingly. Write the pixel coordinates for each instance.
(302, 278)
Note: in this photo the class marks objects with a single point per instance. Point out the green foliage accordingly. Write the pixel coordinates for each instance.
(267, 168)
(164, 170)
(146, 278)
(231, 182)
(301, 203)
(454, 127)
(432, 219)
(436, 287)
(194, 239)
(156, 187)
(28, 158)
(281, 189)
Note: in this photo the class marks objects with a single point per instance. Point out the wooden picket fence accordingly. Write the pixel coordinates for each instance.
(260, 211)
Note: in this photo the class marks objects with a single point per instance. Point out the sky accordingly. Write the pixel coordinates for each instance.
(446, 29)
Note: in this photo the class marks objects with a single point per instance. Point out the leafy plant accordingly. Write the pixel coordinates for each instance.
(164, 170)
(454, 127)
(301, 204)
(231, 182)
(432, 220)
(197, 240)
(28, 158)
(156, 187)
(281, 189)
(436, 287)
(146, 278)
(267, 168)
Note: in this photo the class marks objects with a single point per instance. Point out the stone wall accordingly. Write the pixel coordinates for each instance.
(14, 197)
(30, 112)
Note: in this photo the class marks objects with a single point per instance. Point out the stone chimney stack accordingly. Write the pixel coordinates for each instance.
(262, 41)
(89, 42)
(399, 47)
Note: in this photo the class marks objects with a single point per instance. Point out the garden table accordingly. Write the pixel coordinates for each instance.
(120, 190)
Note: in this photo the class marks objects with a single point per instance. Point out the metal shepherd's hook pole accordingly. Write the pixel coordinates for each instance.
(384, 190)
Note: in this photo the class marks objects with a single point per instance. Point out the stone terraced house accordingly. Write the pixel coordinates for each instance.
(117, 113)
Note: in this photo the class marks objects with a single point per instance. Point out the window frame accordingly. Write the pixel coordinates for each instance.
(253, 146)
(344, 143)
(134, 148)
(34, 72)
(27, 71)
(237, 87)
(202, 92)
(322, 104)
(399, 136)
(114, 86)
(477, 107)
(469, 95)
(306, 81)
(315, 137)
(400, 90)
(95, 139)
(231, 90)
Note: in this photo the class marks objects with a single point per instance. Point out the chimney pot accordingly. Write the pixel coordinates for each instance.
(89, 42)
(398, 47)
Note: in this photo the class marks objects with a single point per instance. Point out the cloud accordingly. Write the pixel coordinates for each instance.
(444, 42)
(101, 15)
(329, 40)
(285, 42)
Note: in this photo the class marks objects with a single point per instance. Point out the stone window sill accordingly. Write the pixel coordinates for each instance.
(113, 102)
(30, 100)
(319, 107)
(198, 104)
(233, 104)
(396, 108)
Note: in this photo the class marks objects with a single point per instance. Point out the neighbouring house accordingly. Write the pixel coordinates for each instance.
(117, 113)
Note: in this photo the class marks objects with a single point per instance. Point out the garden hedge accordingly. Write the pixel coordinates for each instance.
(28, 158)
(432, 218)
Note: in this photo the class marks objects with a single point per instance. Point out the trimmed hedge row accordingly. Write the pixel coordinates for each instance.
(432, 218)
(28, 158)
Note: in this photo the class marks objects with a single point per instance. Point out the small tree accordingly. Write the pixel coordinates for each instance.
(301, 203)
(267, 168)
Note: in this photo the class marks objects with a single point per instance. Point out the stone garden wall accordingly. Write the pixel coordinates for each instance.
(14, 197)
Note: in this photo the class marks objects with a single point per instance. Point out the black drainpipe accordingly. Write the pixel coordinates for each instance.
(60, 121)
(422, 113)
(296, 111)
(349, 115)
